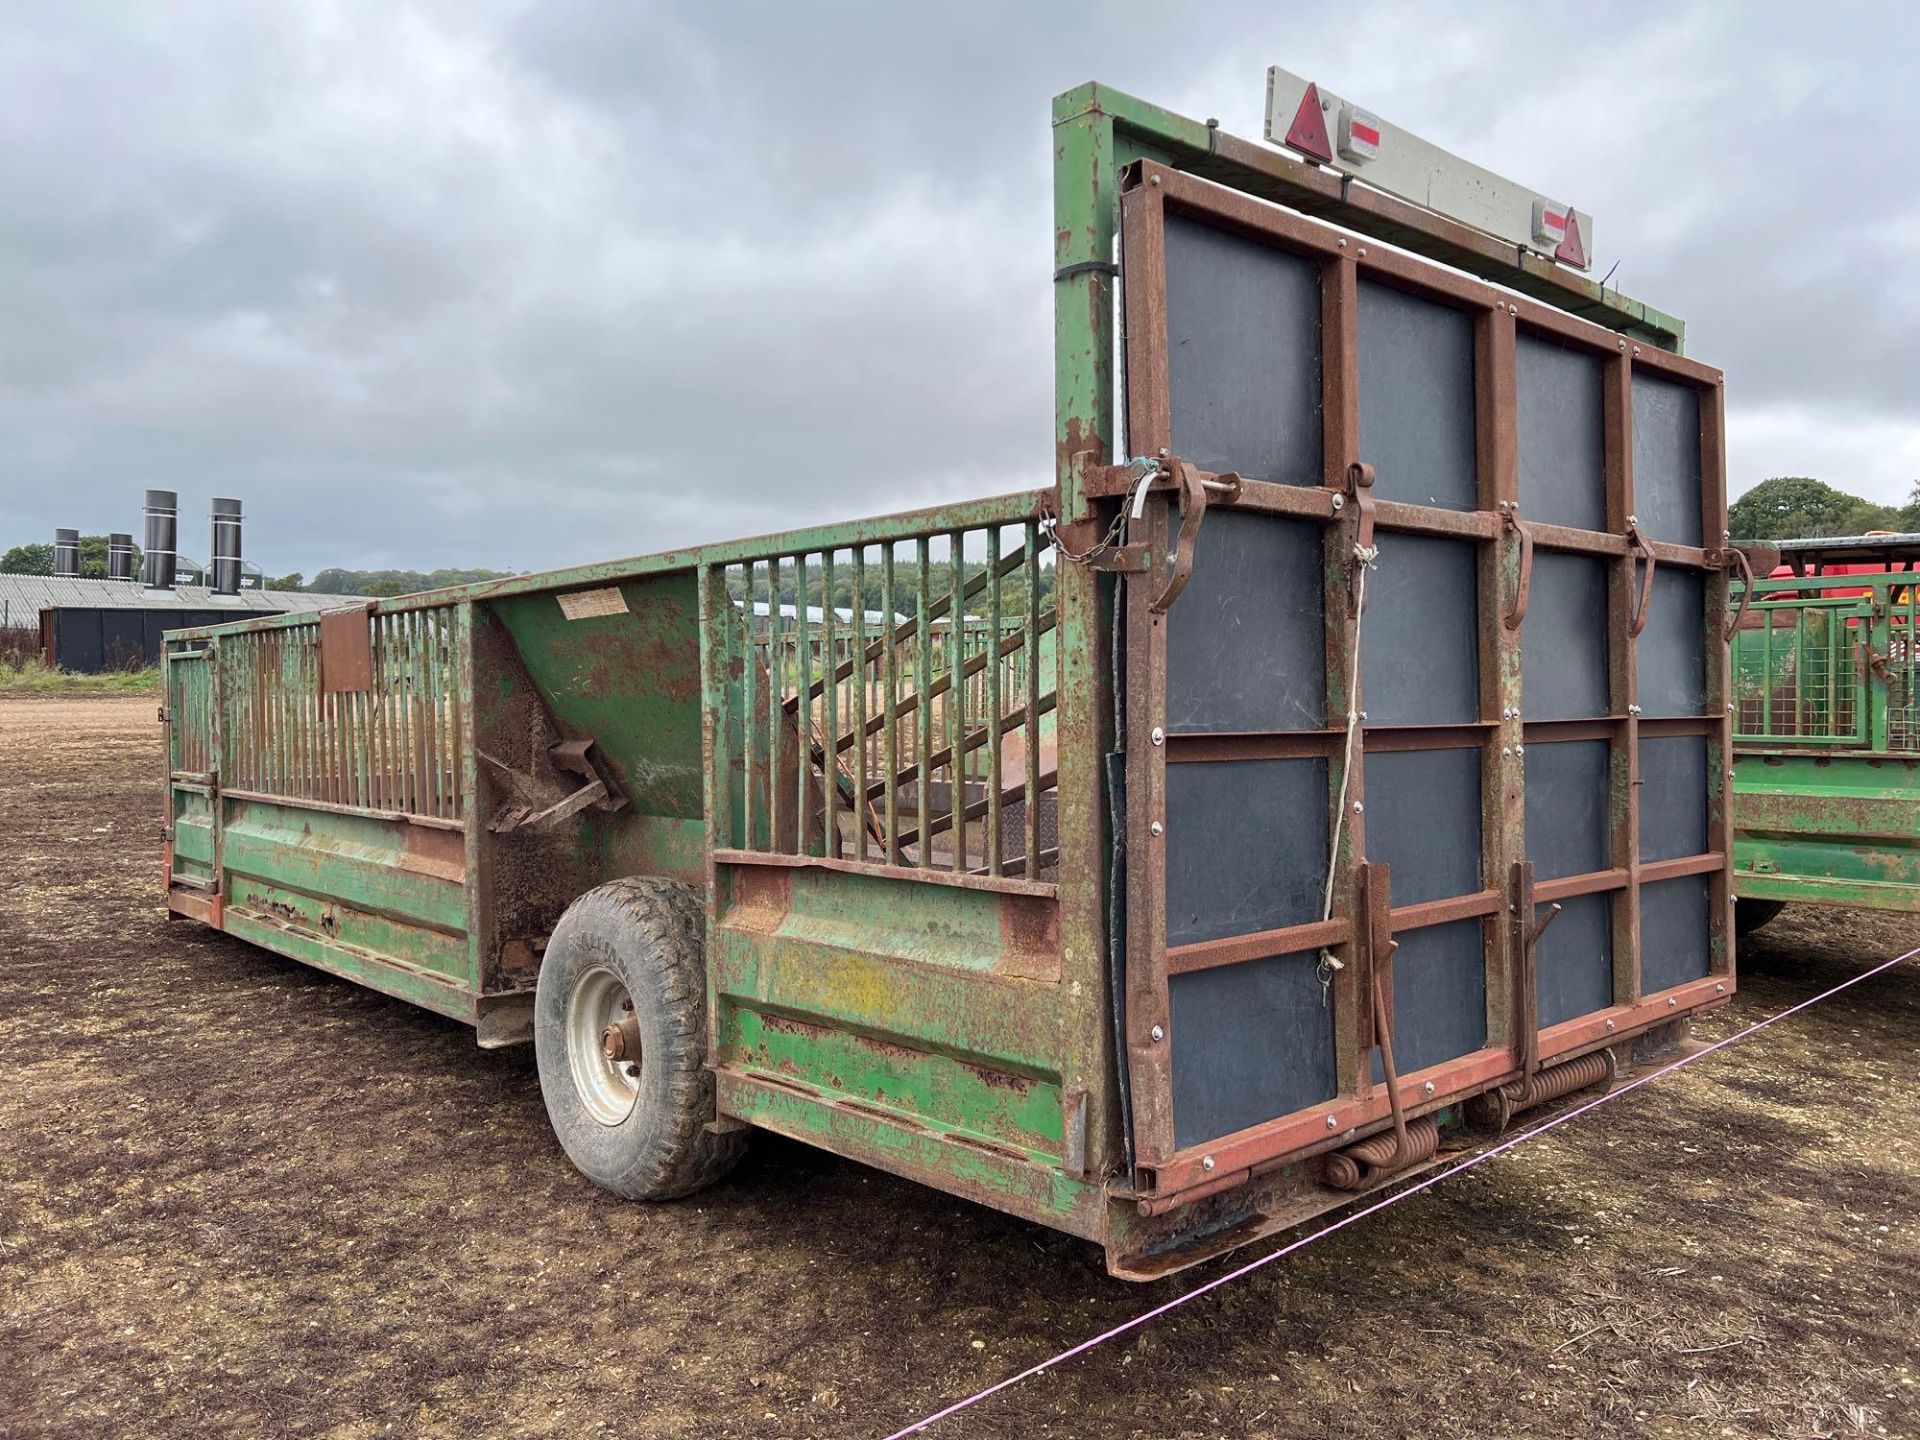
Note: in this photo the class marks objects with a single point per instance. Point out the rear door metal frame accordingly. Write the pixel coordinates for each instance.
(1514, 1044)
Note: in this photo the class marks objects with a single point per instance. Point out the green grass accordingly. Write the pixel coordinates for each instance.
(36, 677)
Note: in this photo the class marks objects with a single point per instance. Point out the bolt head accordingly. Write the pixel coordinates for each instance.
(1672, 1003)
(1343, 244)
(1153, 180)
(1519, 749)
(1158, 1033)
(1159, 736)
(1609, 1025)
(1339, 502)
(1206, 1162)
(633, 1072)
(1428, 1087)
(1719, 989)
(1157, 828)
(1358, 808)
(1332, 1124)
(1363, 252)
(1506, 750)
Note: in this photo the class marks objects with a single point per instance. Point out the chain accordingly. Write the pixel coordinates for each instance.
(1145, 470)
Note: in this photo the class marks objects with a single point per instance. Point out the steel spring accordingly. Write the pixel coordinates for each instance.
(1348, 1169)
(1558, 1080)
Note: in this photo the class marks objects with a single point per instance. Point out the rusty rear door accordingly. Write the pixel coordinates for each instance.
(1539, 736)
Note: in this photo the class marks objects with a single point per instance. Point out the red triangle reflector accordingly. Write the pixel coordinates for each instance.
(1309, 132)
(1571, 249)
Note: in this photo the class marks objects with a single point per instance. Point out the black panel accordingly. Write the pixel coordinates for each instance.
(1423, 820)
(123, 641)
(1666, 459)
(1567, 807)
(1246, 846)
(1416, 398)
(1250, 1043)
(1671, 656)
(1246, 644)
(1563, 642)
(1673, 796)
(1243, 355)
(1419, 652)
(1573, 963)
(1439, 996)
(1562, 434)
(1673, 933)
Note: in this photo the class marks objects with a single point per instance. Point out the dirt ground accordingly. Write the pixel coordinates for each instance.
(238, 1197)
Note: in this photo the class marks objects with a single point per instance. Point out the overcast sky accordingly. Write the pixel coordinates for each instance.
(512, 285)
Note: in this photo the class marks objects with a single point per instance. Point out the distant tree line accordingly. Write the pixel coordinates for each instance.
(335, 581)
(36, 558)
(1796, 507)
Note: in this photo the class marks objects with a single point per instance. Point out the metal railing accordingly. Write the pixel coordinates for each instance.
(899, 701)
(1829, 661)
(395, 747)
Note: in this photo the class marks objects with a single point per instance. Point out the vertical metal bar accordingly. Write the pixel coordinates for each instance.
(749, 711)
(957, 696)
(776, 720)
(923, 704)
(803, 696)
(1352, 988)
(1510, 1016)
(1030, 570)
(463, 644)
(1799, 670)
(438, 649)
(1623, 693)
(859, 697)
(992, 707)
(830, 687)
(890, 702)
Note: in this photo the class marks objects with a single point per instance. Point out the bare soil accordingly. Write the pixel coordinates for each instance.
(239, 1197)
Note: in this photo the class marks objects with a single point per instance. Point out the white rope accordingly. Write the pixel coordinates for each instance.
(1365, 556)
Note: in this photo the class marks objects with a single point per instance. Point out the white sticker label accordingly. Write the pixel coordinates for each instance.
(586, 604)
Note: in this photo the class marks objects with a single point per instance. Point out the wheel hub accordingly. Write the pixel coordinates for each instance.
(603, 1045)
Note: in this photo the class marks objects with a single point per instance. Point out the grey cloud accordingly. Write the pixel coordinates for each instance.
(530, 285)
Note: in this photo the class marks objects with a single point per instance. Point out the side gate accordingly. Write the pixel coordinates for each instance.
(191, 717)
(1517, 852)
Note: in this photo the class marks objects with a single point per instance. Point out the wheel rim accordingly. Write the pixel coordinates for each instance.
(607, 1086)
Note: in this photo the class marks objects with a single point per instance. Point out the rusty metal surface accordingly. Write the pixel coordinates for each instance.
(1508, 567)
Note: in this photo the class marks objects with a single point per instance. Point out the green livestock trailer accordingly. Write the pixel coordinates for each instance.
(1083, 850)
(1826, 759)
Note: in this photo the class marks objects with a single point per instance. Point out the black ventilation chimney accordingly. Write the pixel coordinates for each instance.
(163, 523)
(66, 553)
(226, 547)
(119, 556)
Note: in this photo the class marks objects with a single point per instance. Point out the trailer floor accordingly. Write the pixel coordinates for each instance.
(241, 1197)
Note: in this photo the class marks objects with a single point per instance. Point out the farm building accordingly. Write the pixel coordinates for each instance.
(95, 625)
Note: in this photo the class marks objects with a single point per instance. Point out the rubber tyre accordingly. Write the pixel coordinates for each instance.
(1750, 915)
(649, 933)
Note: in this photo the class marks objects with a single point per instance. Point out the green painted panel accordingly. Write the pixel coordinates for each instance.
(630, 679)
(351, 857)
(1009, 1024)
(418, 986)
(330, 920)
(927, 1154)
(995, 1104)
